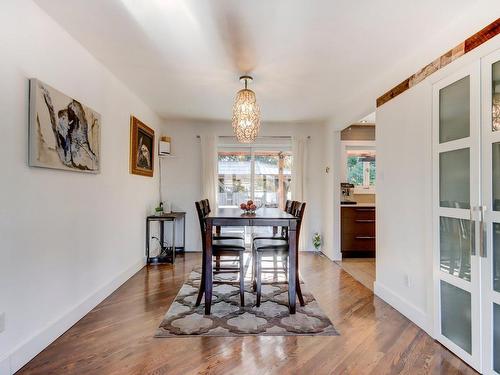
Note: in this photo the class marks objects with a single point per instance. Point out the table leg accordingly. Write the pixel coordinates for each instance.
(173, 240)
(292, 269)
(147, 240)
(208, 267)
(184, 233)
(162, 237)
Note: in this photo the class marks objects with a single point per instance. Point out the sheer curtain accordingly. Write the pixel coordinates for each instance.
(209, 169)
(299, 191)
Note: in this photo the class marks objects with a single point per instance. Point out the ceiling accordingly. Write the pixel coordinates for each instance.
(311, 60)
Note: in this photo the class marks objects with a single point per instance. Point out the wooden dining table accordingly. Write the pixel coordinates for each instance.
(264, 217)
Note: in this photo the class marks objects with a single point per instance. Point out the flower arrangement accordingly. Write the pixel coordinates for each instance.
(249, 207)
(316, 240)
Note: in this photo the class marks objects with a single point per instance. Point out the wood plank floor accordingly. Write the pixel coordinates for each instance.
(117, 336)
(362, 269)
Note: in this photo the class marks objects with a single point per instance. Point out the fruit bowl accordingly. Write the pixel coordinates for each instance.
(249, 207)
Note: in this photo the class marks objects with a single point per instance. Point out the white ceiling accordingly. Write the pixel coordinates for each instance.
(311, 59)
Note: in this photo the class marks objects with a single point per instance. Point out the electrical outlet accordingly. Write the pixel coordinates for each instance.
(407, 281)
(2, 322)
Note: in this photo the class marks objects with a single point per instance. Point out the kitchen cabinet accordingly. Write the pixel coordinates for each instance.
(358, 231)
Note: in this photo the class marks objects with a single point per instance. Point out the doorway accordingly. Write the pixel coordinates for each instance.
(357, 207)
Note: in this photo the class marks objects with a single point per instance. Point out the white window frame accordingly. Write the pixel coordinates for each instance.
(227, 144)
(361, 145)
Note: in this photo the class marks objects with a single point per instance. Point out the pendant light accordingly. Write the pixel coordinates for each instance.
(246, 114)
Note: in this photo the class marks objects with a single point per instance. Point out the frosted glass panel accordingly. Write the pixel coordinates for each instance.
(496, 96)
(496, 337)
(455, 246)
(496, 176)
(454, 179)
(454, 111)
(456, 316)
(496, 256)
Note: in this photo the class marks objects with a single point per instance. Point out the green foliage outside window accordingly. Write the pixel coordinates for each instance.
(355, 171)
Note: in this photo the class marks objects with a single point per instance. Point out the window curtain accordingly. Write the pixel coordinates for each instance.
(299, 179)
(209, 169)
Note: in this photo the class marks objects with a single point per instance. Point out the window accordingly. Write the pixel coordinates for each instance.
(360, 166)
(261, 175)
(235, 178)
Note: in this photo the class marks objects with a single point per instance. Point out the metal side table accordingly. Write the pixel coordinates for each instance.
(167, 254)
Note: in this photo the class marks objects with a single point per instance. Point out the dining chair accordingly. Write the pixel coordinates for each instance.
(283, 235)
(205, 204)
(276, 246)
(227, 247)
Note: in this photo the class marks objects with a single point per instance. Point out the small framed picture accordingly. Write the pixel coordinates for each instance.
(142, 140)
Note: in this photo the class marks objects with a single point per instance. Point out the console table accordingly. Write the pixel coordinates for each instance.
(167, 254)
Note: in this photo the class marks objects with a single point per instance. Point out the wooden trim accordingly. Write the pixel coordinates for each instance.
(135, 126)
(466, 46)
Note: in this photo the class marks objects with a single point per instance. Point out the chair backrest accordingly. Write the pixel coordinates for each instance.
(298, 211)
(206, 202)
(288, 205)
(293, 207)
(205, 206)
(200, 209)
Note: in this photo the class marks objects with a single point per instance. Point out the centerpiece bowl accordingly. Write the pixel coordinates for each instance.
(249, 207)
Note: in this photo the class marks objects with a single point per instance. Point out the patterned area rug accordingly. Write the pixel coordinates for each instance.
(227, 318)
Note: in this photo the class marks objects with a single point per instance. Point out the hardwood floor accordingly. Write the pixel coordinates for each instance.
(117, 336)
(362, 269)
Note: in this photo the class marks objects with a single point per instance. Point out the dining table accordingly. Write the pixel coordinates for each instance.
(265, 217)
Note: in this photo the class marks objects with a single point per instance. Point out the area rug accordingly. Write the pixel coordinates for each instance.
(227, 318)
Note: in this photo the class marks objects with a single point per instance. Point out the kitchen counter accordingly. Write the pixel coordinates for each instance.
(358, 205)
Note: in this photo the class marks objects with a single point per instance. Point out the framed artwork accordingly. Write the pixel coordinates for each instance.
(63, 133)
(142, 140)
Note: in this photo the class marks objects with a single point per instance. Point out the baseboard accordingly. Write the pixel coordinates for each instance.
(5, 365)
(416, 315)
(26, 351)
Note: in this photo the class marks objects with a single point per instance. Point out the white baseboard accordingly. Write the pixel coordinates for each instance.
(416, 315)
(5, 366)
(26, 351)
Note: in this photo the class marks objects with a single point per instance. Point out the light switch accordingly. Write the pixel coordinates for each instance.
(2, 322)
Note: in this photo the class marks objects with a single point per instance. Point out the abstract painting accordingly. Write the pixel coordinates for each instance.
(142, 140)
(64, 133)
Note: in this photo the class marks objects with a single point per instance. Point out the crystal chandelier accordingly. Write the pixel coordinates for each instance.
(246, 114)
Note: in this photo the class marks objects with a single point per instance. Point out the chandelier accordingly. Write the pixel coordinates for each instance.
(246, 114)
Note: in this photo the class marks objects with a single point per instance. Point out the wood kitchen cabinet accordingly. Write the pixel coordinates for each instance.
(358, 231)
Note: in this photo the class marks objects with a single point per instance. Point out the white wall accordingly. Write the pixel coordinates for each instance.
(404, 195)
(181, 176)
(66, 239)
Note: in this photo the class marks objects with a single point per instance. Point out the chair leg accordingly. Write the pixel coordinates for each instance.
(217, 263)
(242, 279)
(254, 267)
(202, 284)
(299, 291)
(275, 266)
(258, 272)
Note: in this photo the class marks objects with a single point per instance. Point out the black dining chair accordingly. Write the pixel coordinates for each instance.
(276, 246)
(218, 235)
(227, 247)
(277, 235)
